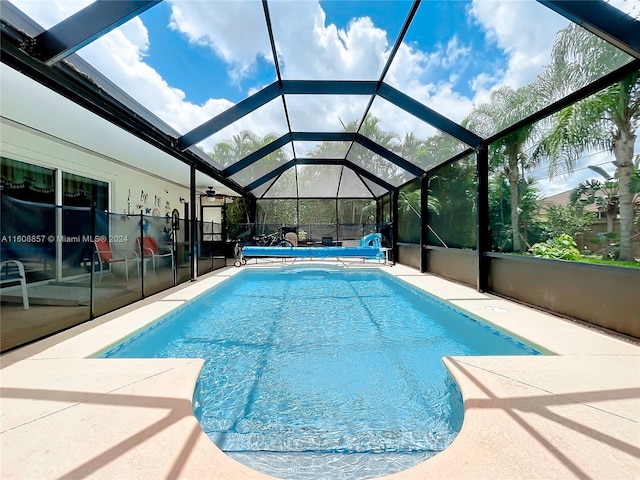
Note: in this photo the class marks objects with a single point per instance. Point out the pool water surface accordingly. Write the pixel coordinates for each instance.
(323, 373)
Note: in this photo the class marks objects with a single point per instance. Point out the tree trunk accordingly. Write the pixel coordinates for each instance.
(513, 190)
(610, 222)
(623, 151)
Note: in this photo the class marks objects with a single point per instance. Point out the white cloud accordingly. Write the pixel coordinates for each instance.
(482, 85)
(120, 55)
(630, 7)
(524, 30)
(455, 53)
(235, 31)
(568, 181)
(563, 182)
(309, 48)
(409, 73)
(53, 13)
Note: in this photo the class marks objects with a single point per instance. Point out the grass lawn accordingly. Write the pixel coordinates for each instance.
(615, 263)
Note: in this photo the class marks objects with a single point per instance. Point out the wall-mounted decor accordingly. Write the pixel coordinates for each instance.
(176, 219)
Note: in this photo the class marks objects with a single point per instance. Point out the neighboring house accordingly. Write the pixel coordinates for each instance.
(584, 240)
(563, 199)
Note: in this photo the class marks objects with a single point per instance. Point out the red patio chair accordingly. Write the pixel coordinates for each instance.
(148, 248)
(106, 256)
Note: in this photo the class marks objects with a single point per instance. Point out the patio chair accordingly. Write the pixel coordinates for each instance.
(148, 248)
(107, 256)
(292, 237)
(9, 275)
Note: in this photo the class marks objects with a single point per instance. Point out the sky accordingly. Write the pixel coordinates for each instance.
(187, 61)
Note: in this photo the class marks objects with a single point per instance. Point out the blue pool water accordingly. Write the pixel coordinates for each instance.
(323, 373)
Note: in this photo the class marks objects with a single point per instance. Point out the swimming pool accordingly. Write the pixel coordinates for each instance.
(323, 373)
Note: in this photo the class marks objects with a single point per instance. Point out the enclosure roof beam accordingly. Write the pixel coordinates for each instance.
(257, 155)
(368, 175)
(229, 116)
(322, 87)
(64, 80)
(391, 57)
(272, 174)
(389, 155)
(258, 99)
(323, 136)
(328, 87)
(346, 163)
(427, 115)
(283, 140)
(85, 26)
(318, 137)
(603, 20)
(580, 94)
(319, 161)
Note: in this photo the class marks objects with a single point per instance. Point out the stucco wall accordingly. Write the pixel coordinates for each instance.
(409, 254)
(599, 294)
(145, 191)
(455, 264)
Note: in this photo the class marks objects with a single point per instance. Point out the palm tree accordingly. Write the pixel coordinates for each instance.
(505, 107)
(383, 168)
(454, 185)
(410, 202)
(607, 119)
(412, 149)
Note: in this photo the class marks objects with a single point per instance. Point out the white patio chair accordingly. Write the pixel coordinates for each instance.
(9, 275)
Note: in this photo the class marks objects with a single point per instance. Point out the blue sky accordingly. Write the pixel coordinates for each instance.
(173, 56)
(189, 60)
(216, 53)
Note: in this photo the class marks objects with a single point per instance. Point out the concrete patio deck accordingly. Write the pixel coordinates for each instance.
(572, 414)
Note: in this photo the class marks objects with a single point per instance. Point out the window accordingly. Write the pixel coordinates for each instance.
(30, 183)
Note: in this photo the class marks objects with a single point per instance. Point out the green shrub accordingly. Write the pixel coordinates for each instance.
(562, 247)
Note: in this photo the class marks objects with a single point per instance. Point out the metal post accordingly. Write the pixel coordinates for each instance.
(483, 240)
(223, 222)
(336, 223)
(394, 224)
(92, 261)
(59, 209)
(424, 221)
(141, 252)
(174, 246)
(193, 226)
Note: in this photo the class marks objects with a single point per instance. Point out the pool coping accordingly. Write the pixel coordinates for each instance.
(572, 414)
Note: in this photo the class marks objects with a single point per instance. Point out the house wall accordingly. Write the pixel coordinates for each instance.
(145, 191)
(130, 190)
